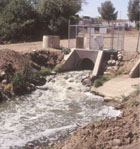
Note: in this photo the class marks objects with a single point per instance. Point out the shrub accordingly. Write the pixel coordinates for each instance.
(101, 80)
(98, 83)
(45, 71)
(66, 50)
(58, 67)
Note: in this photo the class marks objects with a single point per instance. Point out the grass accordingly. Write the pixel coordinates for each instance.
(101, 80)
(119, 72)
(124, 97)
(58, 67)
(134, 98)
(45, 71)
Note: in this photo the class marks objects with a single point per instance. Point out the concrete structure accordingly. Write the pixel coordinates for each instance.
(84, 59)
(80, 42)
(80, 59)
(135, 72)
(51, 42)
(97, 64)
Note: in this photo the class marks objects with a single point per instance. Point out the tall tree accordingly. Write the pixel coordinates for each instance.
(55, 14)
(107, 11)
(17, 20)
(21, 19)
(134, 10)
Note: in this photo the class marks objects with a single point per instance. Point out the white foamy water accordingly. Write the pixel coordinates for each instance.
(51, 111)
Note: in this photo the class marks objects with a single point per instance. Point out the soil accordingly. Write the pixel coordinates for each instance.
(31, 64)
(121, 132)
(11, 57)
(116, 133)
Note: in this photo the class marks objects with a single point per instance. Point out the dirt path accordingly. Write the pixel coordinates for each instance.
(130, 43)
(119, 87)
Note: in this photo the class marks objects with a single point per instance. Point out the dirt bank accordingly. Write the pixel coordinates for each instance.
(21, 72)
(121, 132)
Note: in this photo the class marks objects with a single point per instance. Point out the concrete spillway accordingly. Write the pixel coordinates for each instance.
(84, 59)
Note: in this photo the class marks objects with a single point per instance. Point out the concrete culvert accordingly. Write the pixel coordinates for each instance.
(85, 64)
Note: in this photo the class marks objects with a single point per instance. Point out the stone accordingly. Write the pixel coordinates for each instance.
(53, 73)
(49, 80)
(107, 99)
(37, 147)
(129, 134)
(4, 81)
(30, 144)
(69, 88)
(107, 73)
(115, 147)
(2, 73)
(113, 62)
(116, 142)
(53, 81)
(109, 62)
(71, 80)
(66, 77)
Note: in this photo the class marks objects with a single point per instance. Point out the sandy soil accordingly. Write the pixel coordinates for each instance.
(118, 88)
(115, 133)
(130, 43)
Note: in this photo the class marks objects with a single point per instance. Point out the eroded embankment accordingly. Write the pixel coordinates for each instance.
(121, 132)
(20, 73)
(51, 112)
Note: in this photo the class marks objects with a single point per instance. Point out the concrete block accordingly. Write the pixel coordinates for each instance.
(135, 72)
(96, 42)
(80, 42)
(103, 30)
(97, 64)
(51, 42)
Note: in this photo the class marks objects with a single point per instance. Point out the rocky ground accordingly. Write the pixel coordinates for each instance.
(121, 132)
(21, 72)
(116, 133)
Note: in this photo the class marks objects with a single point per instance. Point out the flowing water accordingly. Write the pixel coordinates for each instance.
(51, 111)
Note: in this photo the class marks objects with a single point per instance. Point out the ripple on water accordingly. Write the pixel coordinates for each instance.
(51, 111)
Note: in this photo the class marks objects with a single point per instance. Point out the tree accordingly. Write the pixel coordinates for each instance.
(27, 19)
(134, 10)
(17, 20)
(107, 11)
(55, 14)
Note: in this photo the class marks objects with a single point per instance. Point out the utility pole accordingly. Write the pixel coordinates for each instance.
(137, 49)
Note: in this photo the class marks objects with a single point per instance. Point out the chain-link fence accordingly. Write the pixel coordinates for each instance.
(96, 37)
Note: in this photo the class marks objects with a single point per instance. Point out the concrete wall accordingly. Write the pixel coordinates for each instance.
(51, 42)
(90, 54)
(76, 56)
(71, 62)
(135, 72)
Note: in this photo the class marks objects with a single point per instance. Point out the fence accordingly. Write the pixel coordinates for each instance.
(96, 37)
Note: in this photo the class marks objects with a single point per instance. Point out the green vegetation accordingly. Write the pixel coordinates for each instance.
(45, 71)
(133, 10)
(124, 97)
(134, 98)
(17, 20)
(107, 11)
(22, 78)
(119, 72)
(66, 50)
(101, 80)
(22, 20)
(58, 67)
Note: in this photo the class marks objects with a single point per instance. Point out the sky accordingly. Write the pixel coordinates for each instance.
(91, 8)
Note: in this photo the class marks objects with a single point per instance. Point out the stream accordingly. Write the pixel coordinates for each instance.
(50, 112)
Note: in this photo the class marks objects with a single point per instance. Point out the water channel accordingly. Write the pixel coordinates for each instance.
(51, 111)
